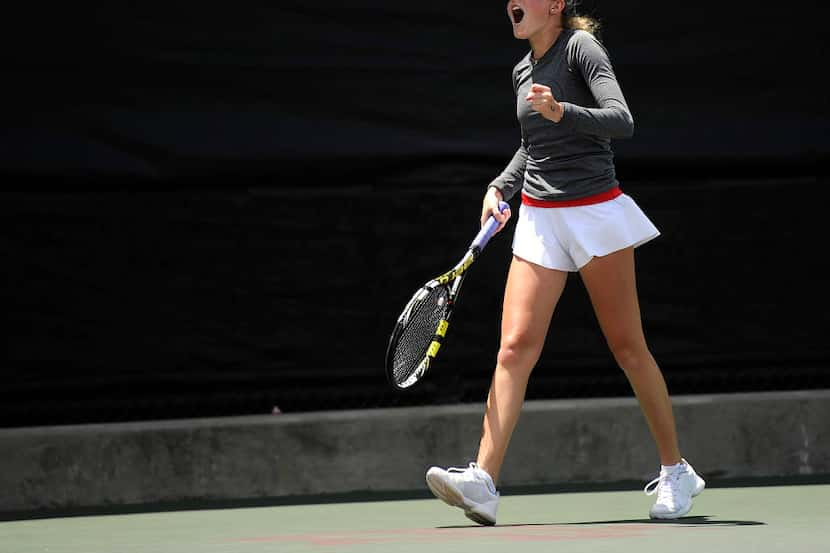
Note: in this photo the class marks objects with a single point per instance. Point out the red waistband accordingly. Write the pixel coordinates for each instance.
(588, 200)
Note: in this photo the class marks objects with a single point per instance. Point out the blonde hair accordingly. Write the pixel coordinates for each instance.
(582, 23)
(571, 19)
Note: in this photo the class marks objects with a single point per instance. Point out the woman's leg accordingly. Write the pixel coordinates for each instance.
(610, 281)
(530, 297)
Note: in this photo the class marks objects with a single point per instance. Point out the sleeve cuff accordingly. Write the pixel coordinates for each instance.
(568, 116)
(507, 190)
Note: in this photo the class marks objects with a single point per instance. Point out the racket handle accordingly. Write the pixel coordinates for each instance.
(487, 231)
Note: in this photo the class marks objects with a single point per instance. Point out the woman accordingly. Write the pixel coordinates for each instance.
(573, 217)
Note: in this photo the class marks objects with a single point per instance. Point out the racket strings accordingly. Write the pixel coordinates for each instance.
(418, 333)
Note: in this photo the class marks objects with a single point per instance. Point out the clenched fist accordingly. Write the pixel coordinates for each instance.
(542, 100)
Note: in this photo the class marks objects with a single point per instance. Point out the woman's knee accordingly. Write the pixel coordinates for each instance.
(519, 351)
(630, 355)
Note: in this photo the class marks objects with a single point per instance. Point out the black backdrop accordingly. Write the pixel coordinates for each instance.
(212, 210)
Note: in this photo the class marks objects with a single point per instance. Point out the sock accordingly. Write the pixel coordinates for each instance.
(670, 468)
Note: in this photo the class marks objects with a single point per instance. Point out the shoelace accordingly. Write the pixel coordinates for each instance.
(664, 485)
(474, 475)
(472, 466)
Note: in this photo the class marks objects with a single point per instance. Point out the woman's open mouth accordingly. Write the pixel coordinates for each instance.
(517, 13)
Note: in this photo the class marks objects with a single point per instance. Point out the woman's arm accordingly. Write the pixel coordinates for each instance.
(511, 179)
(612, 118)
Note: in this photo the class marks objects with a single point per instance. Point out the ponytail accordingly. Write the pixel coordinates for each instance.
(573, 20)
(582, 23)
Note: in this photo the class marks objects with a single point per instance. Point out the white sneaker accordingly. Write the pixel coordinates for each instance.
(469, 488)
(675, 489)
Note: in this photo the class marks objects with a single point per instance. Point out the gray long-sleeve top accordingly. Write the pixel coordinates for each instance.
(571, 159)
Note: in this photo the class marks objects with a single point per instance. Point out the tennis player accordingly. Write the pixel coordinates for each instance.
(573, 218)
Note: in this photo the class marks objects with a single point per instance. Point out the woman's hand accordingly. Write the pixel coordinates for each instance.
(490, 206)
(543, 101)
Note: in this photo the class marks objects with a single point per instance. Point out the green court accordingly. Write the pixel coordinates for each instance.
(790, 519)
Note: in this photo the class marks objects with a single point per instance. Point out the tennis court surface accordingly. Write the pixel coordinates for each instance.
(761, 519)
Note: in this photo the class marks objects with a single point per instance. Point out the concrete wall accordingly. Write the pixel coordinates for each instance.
(561, 441)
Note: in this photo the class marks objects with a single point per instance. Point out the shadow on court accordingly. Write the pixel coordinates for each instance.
(701, 520)
(757, 519)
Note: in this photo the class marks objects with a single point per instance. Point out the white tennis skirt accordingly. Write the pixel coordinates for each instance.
(566, 238)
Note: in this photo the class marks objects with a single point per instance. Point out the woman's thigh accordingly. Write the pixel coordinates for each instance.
(530, 298)
(611, 284)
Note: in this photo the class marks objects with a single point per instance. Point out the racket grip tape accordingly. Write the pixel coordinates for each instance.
(488, 230)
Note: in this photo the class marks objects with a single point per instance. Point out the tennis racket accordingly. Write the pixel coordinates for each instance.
(422, 326)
